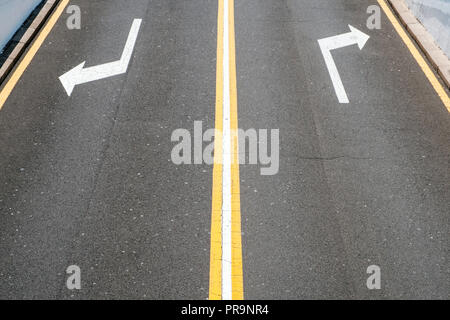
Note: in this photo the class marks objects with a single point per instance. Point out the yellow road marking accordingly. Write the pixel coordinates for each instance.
(215, 268)
(215, 282)
(236, 235)
(17, 74)
(416, 54)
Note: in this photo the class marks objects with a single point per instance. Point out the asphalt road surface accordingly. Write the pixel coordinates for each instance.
(88, 179)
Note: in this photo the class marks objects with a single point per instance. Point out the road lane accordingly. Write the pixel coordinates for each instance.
(359, 184)
(88, 180)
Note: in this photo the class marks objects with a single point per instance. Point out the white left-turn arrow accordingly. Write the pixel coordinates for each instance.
(80, 75)
(347, 39)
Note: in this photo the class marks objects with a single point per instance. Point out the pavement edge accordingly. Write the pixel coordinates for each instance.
(423, 38)
(24, 39)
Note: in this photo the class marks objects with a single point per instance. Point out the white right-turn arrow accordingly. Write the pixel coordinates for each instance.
(327, 44)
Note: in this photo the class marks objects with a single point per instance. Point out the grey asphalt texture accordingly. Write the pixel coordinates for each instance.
(88, 179)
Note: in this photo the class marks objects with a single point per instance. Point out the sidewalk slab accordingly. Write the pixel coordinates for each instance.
(423, 38)
(23, 37)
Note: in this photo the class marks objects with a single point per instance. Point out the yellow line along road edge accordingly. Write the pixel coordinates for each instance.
(18, 72)
(416, 54)
(215, 281)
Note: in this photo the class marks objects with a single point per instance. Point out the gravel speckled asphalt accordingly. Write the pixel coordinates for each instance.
(88, 179)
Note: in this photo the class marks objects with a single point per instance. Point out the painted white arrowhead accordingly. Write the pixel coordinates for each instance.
(70, 79)
(361, 37)
(80, 75)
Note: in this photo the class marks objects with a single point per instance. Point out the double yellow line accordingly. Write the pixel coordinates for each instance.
(216, 276)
